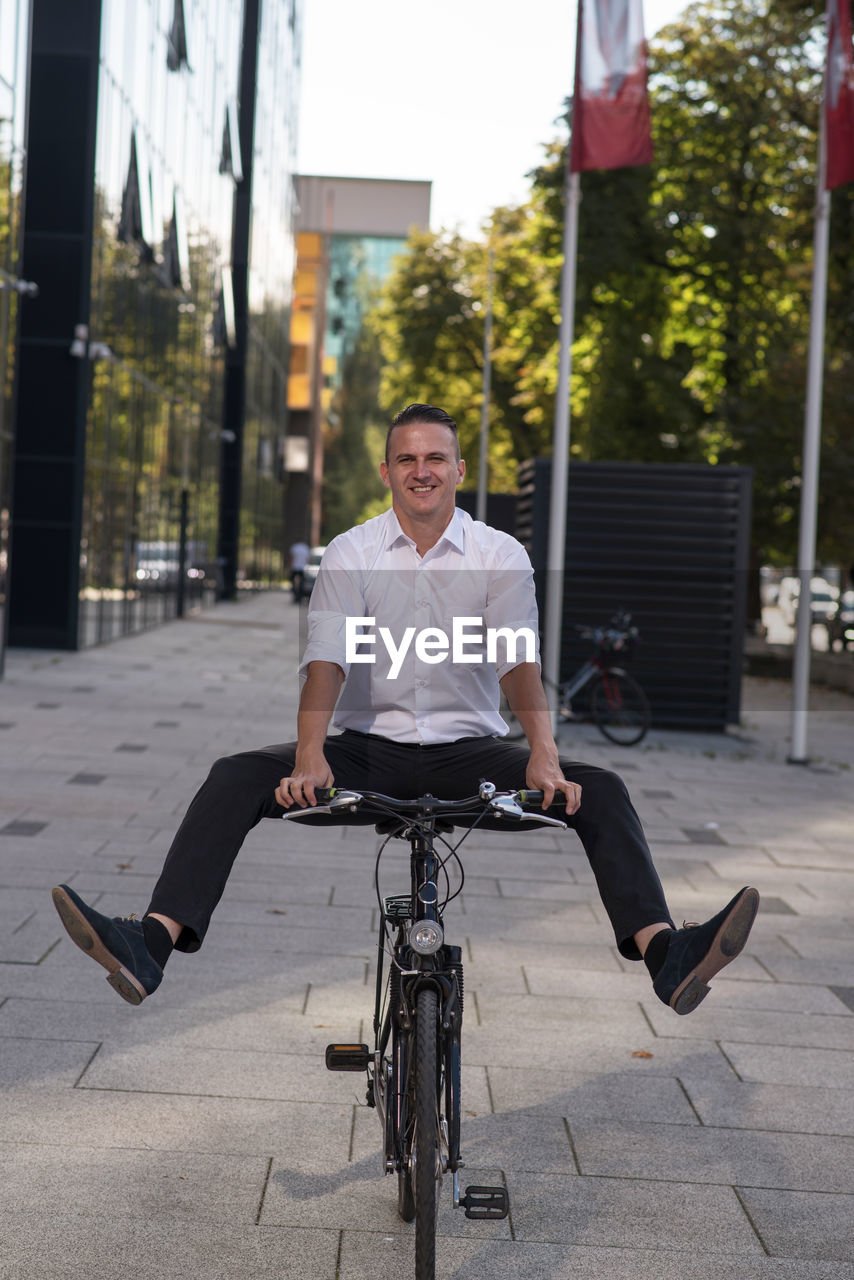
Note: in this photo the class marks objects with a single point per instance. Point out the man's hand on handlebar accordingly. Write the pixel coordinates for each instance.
(544, 774)
(299, 788)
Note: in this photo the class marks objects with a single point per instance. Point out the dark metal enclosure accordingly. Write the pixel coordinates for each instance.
(671, 544)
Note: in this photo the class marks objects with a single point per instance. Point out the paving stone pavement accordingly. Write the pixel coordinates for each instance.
(200, 1133)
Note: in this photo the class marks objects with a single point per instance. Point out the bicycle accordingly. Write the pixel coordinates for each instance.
(413, 1070)
(617, 704)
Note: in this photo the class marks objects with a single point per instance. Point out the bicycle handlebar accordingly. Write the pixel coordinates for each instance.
(489, 801)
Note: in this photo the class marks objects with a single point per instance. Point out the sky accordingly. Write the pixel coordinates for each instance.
(463, 93)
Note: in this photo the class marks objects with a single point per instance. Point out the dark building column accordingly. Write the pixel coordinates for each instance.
(234, 397)
(47, 485)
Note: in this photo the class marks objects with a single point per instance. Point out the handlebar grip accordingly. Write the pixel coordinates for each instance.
(533, 797)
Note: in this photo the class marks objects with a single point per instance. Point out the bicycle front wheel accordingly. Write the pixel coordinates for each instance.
(619, 708)
(426, 1150)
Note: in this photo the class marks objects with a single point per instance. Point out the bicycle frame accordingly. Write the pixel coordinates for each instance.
(413, 1072)
(408, 972)
(582, 677)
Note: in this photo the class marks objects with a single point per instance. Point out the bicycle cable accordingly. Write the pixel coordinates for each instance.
(442, 861)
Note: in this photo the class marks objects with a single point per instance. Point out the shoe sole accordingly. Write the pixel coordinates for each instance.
(84, 936)
(728, 942)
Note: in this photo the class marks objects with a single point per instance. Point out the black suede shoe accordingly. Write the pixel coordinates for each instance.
(698, 951)
(116, 944)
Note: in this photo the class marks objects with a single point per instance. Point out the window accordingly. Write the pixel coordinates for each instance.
(231, 160)
(136, 220)
(176, 50)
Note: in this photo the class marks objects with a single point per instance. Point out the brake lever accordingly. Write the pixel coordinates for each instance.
(506, 807)
(543, 820)
(343, 802)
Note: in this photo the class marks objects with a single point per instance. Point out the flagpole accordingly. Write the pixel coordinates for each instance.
(811, 456)
(619, 138)
(560, 448)
(483, 463)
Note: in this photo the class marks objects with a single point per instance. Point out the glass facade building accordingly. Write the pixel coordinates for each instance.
(154, 380)
(14, 291)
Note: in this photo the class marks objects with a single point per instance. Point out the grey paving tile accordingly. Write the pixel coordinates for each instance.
(713, 1021)
(365, 1254)
(574, 1093)
(802, 1224)
(729, 1157)
(776, 1107)
(775, 906)
(163, 1068)
(166, 1186)
(770, 1064)
(526, 921)
(22, 827)
(76, 1246)
(819, 858)
(32, 939)
(278, 1025)
(310, 1135)
(43, 1063)
(613, 1049)
(794, 997)
(623, 1213)
(527, 889)
(554, 979)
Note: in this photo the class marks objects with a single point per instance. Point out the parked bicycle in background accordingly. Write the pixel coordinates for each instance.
(614, 700)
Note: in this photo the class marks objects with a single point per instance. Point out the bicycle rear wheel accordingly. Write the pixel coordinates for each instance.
(619, 708)
(426, 1149)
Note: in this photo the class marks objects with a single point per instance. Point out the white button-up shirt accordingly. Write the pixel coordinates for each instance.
(422, 640)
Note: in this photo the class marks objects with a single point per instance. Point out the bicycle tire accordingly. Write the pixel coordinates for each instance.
(619, 708)
(427, 1137)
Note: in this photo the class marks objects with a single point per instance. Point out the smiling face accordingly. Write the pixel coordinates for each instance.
(423, 471)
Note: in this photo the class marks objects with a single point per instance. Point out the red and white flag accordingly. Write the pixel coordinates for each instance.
(839, 95)
(610, 113)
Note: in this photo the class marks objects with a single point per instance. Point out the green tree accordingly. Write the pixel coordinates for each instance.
(694, 279)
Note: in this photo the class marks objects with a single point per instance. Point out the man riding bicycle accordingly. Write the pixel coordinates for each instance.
(419, 619)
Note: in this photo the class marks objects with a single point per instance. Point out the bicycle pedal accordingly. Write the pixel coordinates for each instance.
(347, 1057)
(486, 1203)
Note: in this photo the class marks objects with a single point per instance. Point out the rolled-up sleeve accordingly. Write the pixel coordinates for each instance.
(337, 595)
(511, 612)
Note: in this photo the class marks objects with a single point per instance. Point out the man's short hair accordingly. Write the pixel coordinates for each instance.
(422, 413)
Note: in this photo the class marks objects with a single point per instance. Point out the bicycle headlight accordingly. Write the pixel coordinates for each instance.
(426, 937)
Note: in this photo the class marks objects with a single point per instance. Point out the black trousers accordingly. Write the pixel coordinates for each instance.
(238, 793)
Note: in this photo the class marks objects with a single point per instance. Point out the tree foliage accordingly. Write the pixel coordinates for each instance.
(694, 282)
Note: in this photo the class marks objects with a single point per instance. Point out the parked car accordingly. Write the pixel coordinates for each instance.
(823, 600)
(309, 576)
(840, 624)
(157, 564)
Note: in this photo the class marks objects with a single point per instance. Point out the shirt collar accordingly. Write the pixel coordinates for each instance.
(454, 533)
